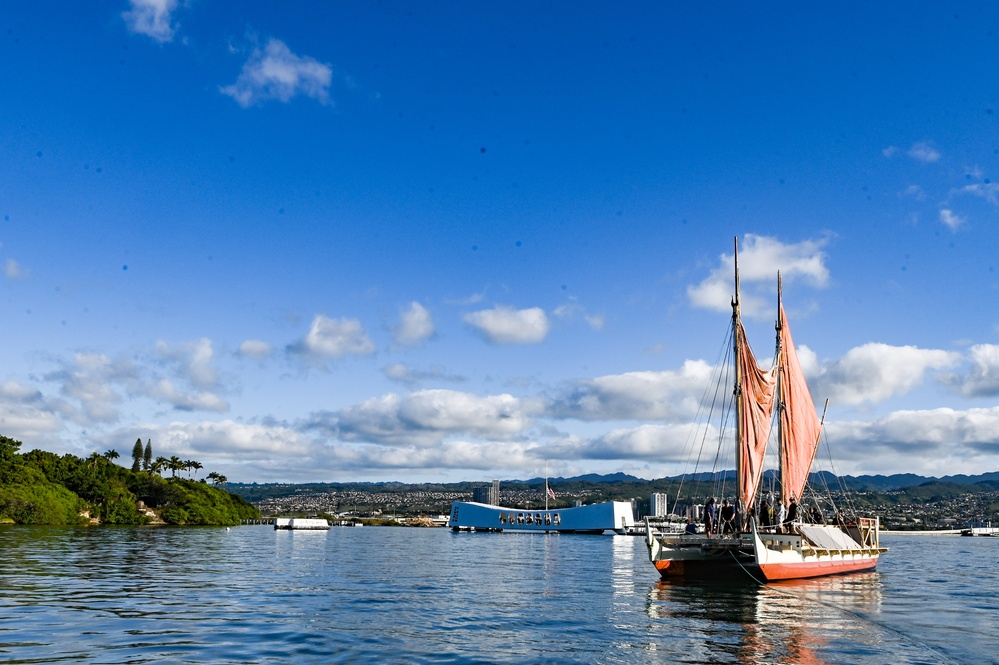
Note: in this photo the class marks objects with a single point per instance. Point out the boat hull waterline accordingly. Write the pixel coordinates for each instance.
(787, 556)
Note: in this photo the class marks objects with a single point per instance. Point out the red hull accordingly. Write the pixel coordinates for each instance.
(795, 571)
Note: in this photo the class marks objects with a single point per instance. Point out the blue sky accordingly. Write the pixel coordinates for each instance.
(451, 241)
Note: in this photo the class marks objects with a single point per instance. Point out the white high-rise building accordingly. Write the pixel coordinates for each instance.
(659, 505)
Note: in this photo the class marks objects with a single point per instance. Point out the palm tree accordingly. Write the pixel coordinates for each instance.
(175, 464)
(195, 465)
(111, 455)
(159, 465)
(214, 477)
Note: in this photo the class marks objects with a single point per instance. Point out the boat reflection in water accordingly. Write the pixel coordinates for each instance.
(806, 622)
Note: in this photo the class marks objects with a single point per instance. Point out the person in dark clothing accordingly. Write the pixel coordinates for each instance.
(710, 516)
(792, 513)
(691, 527)
(727, 517)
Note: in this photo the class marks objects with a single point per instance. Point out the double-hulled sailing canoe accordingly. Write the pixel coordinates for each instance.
(790, 550)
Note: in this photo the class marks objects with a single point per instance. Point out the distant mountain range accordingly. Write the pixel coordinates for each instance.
(877, 483)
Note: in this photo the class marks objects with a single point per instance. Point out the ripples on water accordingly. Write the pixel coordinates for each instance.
(255, 595)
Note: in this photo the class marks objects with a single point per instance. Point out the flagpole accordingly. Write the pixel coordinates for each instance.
(546, 484)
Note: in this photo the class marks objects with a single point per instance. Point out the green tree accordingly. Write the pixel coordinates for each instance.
(111, 455)
(175, 464)
(147, 456)
(9, 459)
(137, 456)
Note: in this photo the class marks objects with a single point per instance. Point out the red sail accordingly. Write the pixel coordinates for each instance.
(800, 424)
(755, 410)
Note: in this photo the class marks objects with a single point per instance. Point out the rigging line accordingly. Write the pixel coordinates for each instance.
(847, 495)
(702, 420)
(860, 615)
(720, 376)
(727, 413)
(865, 617)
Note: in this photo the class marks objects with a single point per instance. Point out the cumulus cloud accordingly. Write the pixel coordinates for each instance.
(875, 372)
(415, 325)
(403, 373)
(192, 360)
(659, 443)
(983, 377)
(274, 72)
(88, 381)
(426, 417)
(151, 18)
(166, 391)
(504, 325)
(488, 456)
(663, 395)
(920, 441)
(924, 151)
(334, 338)
(950, 220)
(760, 258)
(254, 348)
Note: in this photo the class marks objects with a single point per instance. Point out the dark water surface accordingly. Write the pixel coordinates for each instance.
(255, 595)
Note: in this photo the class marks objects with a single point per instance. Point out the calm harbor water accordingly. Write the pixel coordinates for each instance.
(256, 595)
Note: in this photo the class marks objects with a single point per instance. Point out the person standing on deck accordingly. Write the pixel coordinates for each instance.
(727, 517)
(792, 514)
(710, 516)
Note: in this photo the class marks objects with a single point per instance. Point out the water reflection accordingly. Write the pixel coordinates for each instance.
(788, 622)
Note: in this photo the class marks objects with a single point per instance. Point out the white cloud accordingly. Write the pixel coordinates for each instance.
(890, 151)
(986, 190)
(487, 456)
(504, 325)
(415, 325)
(193, 360)
(661, 395)
(573, 310)
(12, 269)
(914, 192)
(983, 378)
(403, 373)
(335, 338)
(88, 381)
(951, 220)
(875, 372)
(254, 348)
(760, 257)
(277, 73)
(151, 18)
(659, 443)
(924, 151)
(920, 441)
(426, 417)
(165, 390)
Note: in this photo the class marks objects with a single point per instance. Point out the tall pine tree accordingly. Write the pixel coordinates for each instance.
(147, 455)
(137, 455)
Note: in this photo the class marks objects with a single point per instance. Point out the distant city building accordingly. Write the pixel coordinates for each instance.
(487, 494)
(659, 504)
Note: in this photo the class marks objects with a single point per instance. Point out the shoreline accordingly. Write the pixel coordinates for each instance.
(947, 532)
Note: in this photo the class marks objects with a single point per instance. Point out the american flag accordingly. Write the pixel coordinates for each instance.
(551, 493)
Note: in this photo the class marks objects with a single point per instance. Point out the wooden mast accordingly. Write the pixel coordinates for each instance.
(779, 326)
(740, 452)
